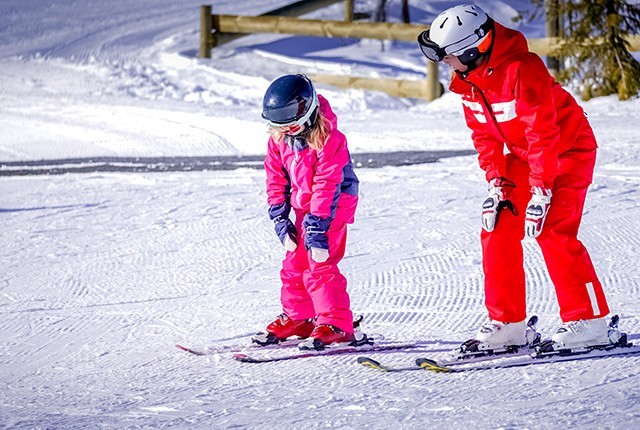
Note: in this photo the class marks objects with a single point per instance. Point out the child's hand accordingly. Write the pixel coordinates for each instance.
(287, 233)
(319, 255)
(290, 244)
(285, 229)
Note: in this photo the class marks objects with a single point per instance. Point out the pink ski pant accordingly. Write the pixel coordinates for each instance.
(317, 290)
(577, 287)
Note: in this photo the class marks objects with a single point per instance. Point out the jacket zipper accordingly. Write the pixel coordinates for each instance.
(487, 108)
(294, 162)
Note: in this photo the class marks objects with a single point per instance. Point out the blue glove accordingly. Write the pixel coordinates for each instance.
(315, 238)
(285, 229)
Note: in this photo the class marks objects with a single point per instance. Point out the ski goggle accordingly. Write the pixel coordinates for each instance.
(292, 129)
(463, 48)
(295, 127)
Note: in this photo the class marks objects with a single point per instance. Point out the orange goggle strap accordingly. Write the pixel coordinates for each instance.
(486, 43)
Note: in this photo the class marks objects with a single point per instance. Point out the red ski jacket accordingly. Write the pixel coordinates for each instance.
(512, 101)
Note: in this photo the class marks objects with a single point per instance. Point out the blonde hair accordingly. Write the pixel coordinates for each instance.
(316, 137)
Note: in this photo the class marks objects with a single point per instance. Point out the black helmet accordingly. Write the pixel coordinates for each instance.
(290, 99)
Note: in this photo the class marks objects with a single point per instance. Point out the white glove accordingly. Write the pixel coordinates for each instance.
(498, 199)
(537, 211)
(289, 244)
(319, 255)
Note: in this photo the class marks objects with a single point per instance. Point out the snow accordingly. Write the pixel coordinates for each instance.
(103, 272)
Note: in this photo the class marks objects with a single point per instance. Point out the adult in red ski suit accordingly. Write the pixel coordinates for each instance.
(322, 189)
(531, 137)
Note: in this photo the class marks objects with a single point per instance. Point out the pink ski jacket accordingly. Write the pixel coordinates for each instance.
(322, 183)
(512, 100)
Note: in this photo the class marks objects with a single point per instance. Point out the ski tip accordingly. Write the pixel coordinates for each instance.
(189, 350)
(242, 357)
(370, 362)
(428, 364)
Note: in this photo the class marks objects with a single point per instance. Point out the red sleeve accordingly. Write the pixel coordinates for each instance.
(490, 150)
(536, 109)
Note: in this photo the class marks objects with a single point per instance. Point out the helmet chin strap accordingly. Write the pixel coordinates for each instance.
(308, 125)
(485, 51)
(477, 62)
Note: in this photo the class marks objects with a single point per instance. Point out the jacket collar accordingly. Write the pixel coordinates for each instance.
(507, 44)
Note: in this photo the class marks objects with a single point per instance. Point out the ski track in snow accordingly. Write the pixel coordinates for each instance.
(162, 259)
(103, 273)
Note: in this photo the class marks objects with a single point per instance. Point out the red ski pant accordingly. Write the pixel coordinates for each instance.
(577, 287)
(317, 290)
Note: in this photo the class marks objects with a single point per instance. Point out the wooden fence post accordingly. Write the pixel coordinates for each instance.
(348, 10)
(552, 28)
(205, 31)
(434, 89)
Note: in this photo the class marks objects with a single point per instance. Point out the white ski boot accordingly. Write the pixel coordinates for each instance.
(496, 334)
(497, 337)
(584, 334)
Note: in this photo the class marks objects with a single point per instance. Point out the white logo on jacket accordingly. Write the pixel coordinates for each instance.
(503, 112)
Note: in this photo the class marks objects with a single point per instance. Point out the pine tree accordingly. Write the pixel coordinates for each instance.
(598, 59)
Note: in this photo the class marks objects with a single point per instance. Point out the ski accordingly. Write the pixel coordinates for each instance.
(236, 348)
(496, 361)
(212, 350)
(262, 341)
(375, 364)
(247, 358)
(190, 350)
(506, 362)
(536, 352)
(451, 361)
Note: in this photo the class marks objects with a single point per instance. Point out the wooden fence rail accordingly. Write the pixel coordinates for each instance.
(316, 27)
(217, 29)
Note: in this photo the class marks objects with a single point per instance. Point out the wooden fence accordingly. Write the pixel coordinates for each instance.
(217, 29)
(209, 40)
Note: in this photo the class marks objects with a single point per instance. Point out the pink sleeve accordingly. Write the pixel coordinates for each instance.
(277, 179)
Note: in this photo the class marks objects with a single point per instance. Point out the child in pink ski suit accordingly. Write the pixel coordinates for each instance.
(309, 172)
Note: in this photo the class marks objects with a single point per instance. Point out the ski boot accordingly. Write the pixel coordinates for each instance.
(496, 337)
(283, 328)
(329, 336)
(582, 336)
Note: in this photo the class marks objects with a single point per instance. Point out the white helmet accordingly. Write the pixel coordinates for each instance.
(458, 31)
